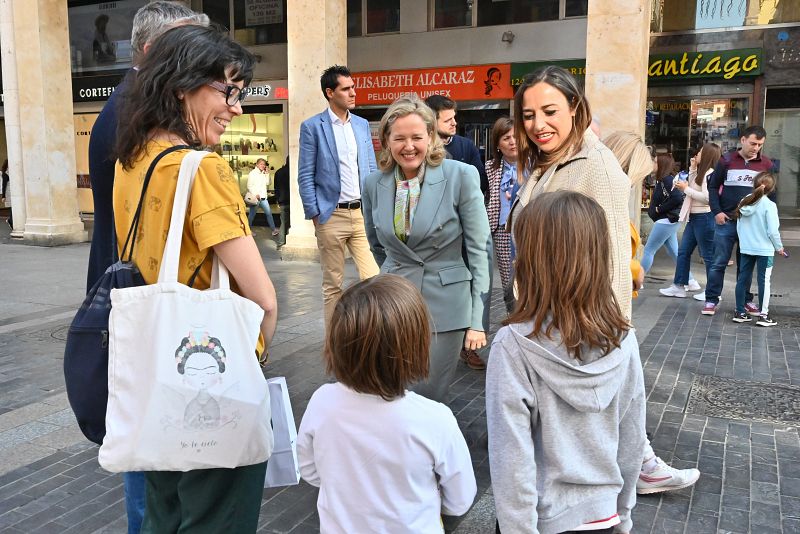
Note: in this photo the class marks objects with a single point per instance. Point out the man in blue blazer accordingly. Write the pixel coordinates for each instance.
(336, 155)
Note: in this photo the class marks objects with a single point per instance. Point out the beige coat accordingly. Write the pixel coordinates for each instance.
(595, 172)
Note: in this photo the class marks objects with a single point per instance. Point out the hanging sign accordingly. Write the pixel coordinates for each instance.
(259, 12)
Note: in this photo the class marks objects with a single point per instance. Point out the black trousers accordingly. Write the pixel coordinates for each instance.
(609, 530)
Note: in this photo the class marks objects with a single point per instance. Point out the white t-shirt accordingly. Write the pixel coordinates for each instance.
(389, 467)
(257, 182)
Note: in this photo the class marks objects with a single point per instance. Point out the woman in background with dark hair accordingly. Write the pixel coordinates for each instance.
(502, 173)
(558, 150)
(188, 89)
(696, 213)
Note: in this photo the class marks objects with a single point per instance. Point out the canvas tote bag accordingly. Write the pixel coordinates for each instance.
(185, 390)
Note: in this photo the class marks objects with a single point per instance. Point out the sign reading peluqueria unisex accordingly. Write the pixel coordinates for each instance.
(719, 64)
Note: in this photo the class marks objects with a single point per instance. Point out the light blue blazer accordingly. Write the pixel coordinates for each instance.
(450, 213)
(318, 168)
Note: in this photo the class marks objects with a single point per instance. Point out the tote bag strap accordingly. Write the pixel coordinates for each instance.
(169, 262)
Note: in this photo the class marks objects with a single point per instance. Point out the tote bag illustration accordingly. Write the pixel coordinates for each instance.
(185, 390)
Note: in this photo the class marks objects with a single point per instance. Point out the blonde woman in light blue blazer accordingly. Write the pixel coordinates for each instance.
(420, 211)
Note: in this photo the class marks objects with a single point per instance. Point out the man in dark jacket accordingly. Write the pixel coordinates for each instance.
(282, 197)
(731, 181)
(459, 148)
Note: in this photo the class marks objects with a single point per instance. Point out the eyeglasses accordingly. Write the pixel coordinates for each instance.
(233, 93)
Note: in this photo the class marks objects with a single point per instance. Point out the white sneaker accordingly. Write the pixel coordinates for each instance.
(700, 296)
(692, 285)
(673, 291)
(665, 478)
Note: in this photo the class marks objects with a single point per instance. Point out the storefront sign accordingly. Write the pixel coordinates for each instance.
(725, 64)
(267, 90)
(258, 12)
(95, 88)
(478, 82)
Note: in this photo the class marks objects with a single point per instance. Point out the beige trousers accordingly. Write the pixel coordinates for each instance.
(345, 229)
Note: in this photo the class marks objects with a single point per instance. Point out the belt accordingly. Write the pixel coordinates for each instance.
(350, 204)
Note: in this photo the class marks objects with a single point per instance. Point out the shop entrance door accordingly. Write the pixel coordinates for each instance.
(783, 147)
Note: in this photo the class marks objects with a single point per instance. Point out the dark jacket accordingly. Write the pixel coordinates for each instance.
(282, 185)
(463, 150)
(101, 173)
(666, 201)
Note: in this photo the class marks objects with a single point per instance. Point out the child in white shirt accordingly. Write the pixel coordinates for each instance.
(385, 459)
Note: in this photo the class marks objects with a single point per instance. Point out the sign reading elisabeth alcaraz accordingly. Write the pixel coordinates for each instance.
(258, 12)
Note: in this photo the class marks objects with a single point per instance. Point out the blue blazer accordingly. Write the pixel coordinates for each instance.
(318, 169)
(450, 212)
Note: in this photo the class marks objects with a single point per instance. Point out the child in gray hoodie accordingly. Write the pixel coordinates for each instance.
(565, 402)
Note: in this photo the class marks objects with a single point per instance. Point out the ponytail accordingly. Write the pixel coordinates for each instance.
(763, 184)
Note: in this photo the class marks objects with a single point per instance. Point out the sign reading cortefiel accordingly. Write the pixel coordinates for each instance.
(475, 82)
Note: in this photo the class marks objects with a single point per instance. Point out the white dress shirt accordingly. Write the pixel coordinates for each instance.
(381, 466)
(347, 150)
(257, 182)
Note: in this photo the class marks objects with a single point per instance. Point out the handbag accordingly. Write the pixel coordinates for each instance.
(86, 351)
(250, 199)
(283, 469)
(655, 215)
(189, 394)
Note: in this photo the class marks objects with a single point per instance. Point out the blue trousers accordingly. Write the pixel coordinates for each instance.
(699, 233)
(665, 235)
(725, 238)
(264, 205)
(134, 500)
(744, 278)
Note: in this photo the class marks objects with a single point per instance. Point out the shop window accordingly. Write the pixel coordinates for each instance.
(257, 23)
(100, 35)
(576, 8)
(383, 16)
(675, 15)
(517, 11)
(452, 13)
(354, 18)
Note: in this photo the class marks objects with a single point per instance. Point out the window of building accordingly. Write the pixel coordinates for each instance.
(676, 15)
(100, 35)
(218, 11)
(452, 13)
(383, 16)
(576, 8)
(354, 18)
(264, 25)
(492, 12)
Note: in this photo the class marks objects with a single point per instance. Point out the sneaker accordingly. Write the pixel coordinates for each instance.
(752, 309)
(673, 291)
(665, 478)
(472, 360)
(700, 296)
(741, 318)
(766, 320)
(692, 285)
(709, 309)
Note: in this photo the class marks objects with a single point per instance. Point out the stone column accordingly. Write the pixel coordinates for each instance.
(617, 46)
(41, 129)
(317, 32)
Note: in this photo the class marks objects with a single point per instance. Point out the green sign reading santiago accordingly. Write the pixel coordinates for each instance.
(725, 64)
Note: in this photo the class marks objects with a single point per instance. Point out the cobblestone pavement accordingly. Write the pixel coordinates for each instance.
(50, 480)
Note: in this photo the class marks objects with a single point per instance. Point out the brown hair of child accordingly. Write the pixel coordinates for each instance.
(562, 272)
(378, 339)
(763, 184)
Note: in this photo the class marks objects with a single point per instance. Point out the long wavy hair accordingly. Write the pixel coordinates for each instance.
(709, 156)
(402, 107)
(633, 155)
(529, 156)
(179, 61)
(763, 184)
(558, 233)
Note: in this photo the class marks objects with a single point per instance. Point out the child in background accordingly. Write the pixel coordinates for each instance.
(759, 239)
(385, 459)
(565, 403)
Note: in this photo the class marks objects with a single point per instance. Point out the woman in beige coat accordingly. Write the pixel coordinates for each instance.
(557, 150)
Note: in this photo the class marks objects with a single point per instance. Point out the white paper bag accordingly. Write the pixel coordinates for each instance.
(283, 468)
(185, 390)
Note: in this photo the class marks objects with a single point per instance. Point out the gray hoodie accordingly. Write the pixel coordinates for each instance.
(565, 436)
